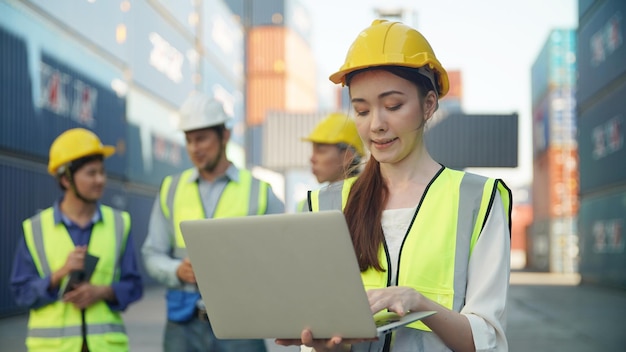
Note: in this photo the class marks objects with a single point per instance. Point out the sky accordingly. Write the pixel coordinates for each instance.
(492, 42)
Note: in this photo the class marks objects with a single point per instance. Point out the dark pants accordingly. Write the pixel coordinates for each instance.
(197, 335)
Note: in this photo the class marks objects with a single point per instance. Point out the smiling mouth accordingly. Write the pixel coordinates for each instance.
(383, 142)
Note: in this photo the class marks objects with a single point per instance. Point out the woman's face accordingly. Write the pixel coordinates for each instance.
(389, 114)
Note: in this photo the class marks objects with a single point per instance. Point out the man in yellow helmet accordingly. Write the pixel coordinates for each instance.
(213, 188)
(75, 267)
(337, 150)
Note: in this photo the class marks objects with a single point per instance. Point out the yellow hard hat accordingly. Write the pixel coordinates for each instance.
(387, 43)
(74, 144)
(337, 128)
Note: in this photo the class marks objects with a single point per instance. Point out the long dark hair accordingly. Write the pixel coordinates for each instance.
(369, 194)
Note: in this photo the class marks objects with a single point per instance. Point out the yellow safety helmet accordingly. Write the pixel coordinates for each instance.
(337, 128)
(387, 43)
(74, 144)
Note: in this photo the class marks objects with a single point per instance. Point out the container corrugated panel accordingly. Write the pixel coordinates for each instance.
(266, 50)
(539, 245)
(602, 220)
(541, 125)
(26, 188)
(160, 62)
(223, 37)
(521, 219)
(265, 93)
(555, 183)
(96, 20)
(541, 187)
(460, 140)
(68, 99)
(602, 143)
(583, 7)
(164, 157)
(555, 65)
(601, 50)
(255, 145)
(281, 13)
(282, 139)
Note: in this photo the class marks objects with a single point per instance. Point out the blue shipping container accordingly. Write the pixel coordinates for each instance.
(602, 221)
(601, 143)
(42, 95)
(555, 66)
(601, 51)
(161, 158)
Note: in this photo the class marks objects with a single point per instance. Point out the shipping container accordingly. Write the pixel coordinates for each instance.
(553, 245)
(539, 245)
(583, 7)
(230, 93)
(521, 220)
(281, 13)
(281, 73)
(541, 125)
(223, 39)
(45, 91)
(602, 221)
(601, 51)
(282, 139)
(555, 66)
(555, 183)
(601, 140)
(185, 13)
(465, 140)
(105, 23)
(162, 60)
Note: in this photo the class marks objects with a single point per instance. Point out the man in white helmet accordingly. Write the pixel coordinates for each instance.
(214, 188)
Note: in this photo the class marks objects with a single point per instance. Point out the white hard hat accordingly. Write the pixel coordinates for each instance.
(201, 111)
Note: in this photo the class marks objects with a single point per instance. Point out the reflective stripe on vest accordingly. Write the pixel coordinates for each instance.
(458, 216)
(248, 196)
(58, 325)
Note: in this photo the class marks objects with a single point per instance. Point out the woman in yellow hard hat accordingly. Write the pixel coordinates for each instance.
(426, 237)
(337, 148)
(76, 267)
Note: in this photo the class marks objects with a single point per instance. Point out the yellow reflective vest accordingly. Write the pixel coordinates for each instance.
(438, 244)
(57, 326)
(180, 200)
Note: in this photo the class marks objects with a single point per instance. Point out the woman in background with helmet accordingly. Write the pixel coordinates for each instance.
(63, 241)
(426, 237)
(337, 150)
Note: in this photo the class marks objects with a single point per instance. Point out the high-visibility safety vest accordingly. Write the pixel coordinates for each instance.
(58, 326)
(180, 200)
(438, 244)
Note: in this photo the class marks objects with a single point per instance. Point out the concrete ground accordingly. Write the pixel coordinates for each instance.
(547, 312)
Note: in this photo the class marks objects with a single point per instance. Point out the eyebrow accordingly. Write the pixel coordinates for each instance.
(380, 96)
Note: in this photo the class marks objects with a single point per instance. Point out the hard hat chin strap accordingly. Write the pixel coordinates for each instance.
(68, 174)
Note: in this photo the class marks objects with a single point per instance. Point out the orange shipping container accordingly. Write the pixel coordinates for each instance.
(555, 183)
(281, 73)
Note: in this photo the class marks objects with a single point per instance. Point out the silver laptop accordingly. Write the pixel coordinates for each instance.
(270, 276)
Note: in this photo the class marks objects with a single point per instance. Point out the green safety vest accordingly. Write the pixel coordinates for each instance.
(57, 326)
(439, 241)
(180, 200)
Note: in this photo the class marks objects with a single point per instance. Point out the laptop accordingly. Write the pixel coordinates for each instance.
(270, 276)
